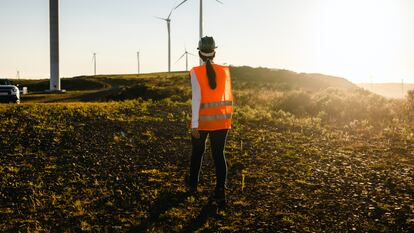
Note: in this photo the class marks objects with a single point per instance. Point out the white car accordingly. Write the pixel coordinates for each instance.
(8, 92)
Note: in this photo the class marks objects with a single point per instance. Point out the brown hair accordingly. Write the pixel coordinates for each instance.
(211, 74)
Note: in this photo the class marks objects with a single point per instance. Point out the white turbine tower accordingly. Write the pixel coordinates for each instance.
(186, 53)
(201, 17)
(54, 45)
(138, 62)
(94, 63)
(168, 20)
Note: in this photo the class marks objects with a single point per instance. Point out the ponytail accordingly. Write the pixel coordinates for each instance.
(211, 74)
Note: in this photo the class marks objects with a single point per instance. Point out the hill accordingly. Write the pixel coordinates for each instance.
(329, 98)
(121, 87)
(288, 80)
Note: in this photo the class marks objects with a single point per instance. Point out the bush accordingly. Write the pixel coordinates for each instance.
(409, 109)
(147, 91)
(296, 102)
(410, 100)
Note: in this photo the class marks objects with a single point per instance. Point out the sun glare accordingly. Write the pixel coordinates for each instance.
(359, 39)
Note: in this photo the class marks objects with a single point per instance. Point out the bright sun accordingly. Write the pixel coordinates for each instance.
(359, 39)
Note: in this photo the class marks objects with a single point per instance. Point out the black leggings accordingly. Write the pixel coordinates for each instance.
(217, 141)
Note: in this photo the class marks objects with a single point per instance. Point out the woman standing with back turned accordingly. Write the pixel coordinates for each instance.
(212, 109)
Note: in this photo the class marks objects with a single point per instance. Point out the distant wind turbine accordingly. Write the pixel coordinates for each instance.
(168, 20)
(186, 53)
(94, 63)
(138, 61)
(201, 15)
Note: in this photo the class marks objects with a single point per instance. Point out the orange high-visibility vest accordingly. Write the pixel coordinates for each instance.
(216, 106)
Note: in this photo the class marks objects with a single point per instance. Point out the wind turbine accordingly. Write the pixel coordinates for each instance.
(54, 45)
(186, 53)
(138, 61)
(94, 63)
(201, 17)
(168, 20)
(201, 13)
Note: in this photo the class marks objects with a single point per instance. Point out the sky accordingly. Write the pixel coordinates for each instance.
(361, 40)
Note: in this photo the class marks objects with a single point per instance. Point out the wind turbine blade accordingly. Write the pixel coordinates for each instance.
(180, 58)
(170, 13)
(160, 18)
(180, 4)
(219, 1)
(191, 54)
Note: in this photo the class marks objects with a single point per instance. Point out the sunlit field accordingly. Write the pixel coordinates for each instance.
(307, 153)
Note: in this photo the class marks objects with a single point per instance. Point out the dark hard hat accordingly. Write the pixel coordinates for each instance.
(207, 44)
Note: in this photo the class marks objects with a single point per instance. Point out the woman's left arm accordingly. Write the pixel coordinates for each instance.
(195, 101)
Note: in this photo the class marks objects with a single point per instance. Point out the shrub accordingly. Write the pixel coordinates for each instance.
(410, 100)
(296, 102)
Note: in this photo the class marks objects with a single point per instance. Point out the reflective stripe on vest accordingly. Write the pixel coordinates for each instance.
(216, 104)
(215, 117)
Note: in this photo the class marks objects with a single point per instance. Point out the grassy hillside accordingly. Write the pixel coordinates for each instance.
(286, 80)
(300, 158)
(281, 80)
(329, 98)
